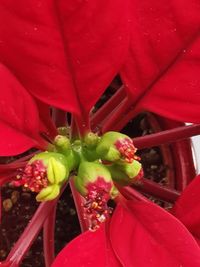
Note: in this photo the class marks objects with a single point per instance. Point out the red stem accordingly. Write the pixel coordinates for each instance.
(74, 134)
(30, 233)
(167, 136)
(0, 206)
(128, 114)
(131, 194)
(103, 113)
(110, 122)
(48, 238)
(185, 170)
(59, 117)
(78, 200)
(6, 178)
(18, 163)
(6, 168)
(157, 190)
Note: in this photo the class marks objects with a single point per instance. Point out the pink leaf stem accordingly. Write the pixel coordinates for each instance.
(149, 187)
(48, 237)
(30, 233)
(78, 200)
(7, 177)
(59, 117)
(131, 194)
(115, 115)
(167, 136)
(104, 112)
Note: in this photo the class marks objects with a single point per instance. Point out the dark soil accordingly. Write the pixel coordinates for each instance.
(19, 204)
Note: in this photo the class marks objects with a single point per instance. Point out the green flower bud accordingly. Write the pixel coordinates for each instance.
(93, 175)
(56, 166)
(91, 140)
(45, 173)
(62, 144)
(115, 146)
(89, 144)
(126, 173)
(89, 154)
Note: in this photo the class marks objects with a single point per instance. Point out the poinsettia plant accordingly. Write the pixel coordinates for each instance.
(62, 55)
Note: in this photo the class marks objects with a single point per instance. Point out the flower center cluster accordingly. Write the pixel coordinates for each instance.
(126, 148)
(96, 208)
(33, 176)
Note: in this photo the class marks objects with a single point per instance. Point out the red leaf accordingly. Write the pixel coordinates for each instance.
(162, 70)
(143, 234)
(19, 120)
(64, 52)
(88, 249)
(187, 207)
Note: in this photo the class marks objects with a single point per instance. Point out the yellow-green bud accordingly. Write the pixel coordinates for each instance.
(115, 146)
(126, 173)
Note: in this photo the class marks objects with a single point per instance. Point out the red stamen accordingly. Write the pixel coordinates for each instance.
(126, 148)
(96, 208)
(33, 176)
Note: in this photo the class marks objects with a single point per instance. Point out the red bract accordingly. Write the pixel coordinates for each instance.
(149, 236)
(162, 69)
(19, 117)
(89, 249)
(67, 51)
(187, 208)
(139, 234)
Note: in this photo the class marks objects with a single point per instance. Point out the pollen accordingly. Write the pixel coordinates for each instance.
(94, 205)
